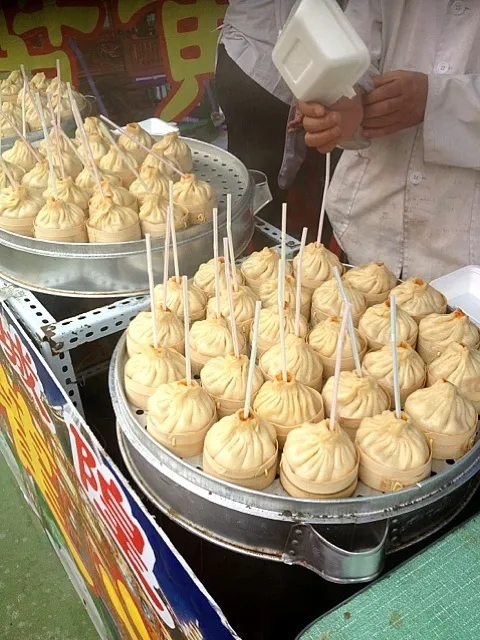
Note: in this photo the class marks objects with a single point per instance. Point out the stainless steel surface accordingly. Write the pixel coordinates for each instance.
(118, 270)
(339, 554)
(259, 523)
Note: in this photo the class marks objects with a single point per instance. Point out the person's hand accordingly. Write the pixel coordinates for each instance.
(326, 127)
(397, 102)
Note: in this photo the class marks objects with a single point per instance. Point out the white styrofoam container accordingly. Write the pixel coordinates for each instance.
(462, 290)
(319, 54)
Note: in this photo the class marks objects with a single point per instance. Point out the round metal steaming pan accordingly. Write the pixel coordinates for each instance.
(117, 270)
(343, 540)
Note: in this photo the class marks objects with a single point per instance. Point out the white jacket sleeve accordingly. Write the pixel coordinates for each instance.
(451, 129)
(366, 17)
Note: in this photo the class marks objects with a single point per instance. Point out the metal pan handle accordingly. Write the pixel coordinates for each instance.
(344, 554)
(262, 195)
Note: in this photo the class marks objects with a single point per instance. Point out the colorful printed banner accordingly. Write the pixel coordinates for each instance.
(137, 584)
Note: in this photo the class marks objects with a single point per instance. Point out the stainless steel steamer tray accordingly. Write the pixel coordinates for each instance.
(117, 270)
(342, 540)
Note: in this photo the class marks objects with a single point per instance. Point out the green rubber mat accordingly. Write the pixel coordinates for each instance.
(433, 596)
(37, 600)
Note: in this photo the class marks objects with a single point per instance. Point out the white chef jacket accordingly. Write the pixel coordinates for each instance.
(412, 199)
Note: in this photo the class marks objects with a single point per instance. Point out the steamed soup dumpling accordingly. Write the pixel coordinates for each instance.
(38, 178)
(317, 265)
(174, 148)
(168, 167)
(287, 404)
(154, 212)
(20, 154)
(205, 277)
(16, 172)
(319, 462)
(225, 379)
(358, 397)
(446, 417)
(437, 331)
(116, 193)
(14, 114)
(261, 266)
(242, 450)
(411, 369)
(67, 190)
(324, 339)
(154, 180)
(111, 222)
(376, 327)
(98, 146)
(211, 338)
(134, 130)
(197, 300)
(268, 294)
(170, 331)
(302, 361)
(60, 221)
(460, 365)
(269, 327)
(114, 162)
(18, 210)
(419, 299)
(394, 453)
(147, 370)
(197, 196)
(374, 280)
(180, 416)
(243, 306)
(327, 301)
(87, 181)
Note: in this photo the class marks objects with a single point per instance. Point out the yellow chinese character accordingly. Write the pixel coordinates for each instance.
(126, 9)
(190, 36)
(17, 54)
(54, 19)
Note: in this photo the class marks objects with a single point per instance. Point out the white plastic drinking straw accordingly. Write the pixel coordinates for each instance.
(351, 328)
(233, 323)
(186, 320)
(19, 134)
(396, 381)
(173, 231)
(151, 286)
(230, 241)
(57, 137)
(253, 357)
(24, 121)
(215, 262)
(281, 319)
(298, 292)
(142, 146)
(52, 176)
(347, 310)
(284, 233)
(59, 95)
(84, 138)
(29, 91)
(324, 199)
(123, 155)
(166, 262)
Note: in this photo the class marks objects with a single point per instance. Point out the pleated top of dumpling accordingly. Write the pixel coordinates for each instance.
(393, 442)
(317, 454)
(226, 377)
(419, 299)
(358, 396)
(317, 265)
(441, 408)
